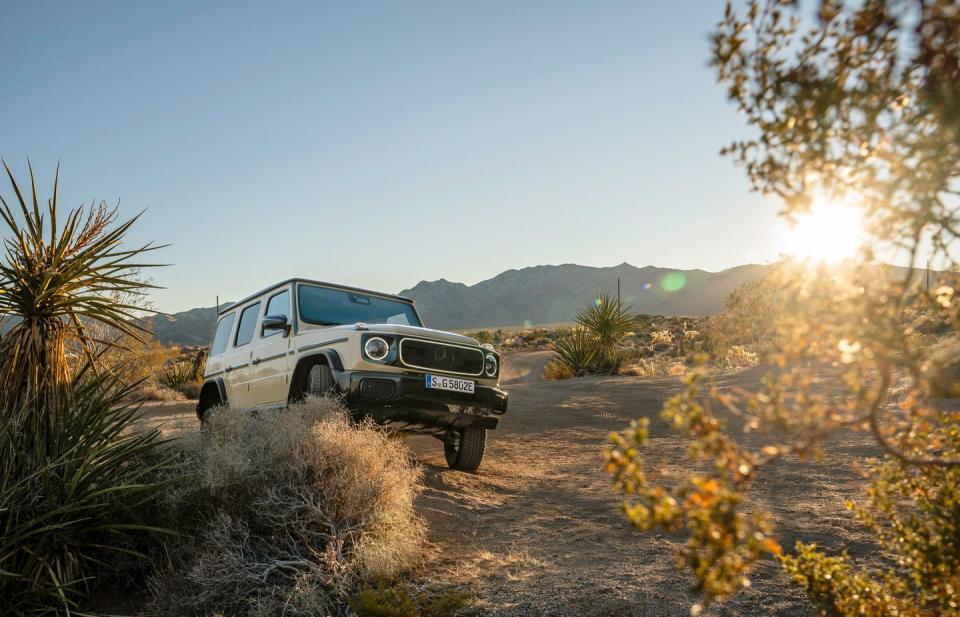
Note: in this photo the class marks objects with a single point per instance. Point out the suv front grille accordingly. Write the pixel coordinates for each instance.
(429, 355)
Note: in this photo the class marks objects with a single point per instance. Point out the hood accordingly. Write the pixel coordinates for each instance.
(427, 333)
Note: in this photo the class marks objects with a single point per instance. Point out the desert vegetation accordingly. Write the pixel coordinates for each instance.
(285, 511)
(74, 481)
(261, 514)
(858, 104)
(609, 339)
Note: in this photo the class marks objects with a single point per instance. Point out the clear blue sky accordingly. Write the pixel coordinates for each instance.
(380, 144)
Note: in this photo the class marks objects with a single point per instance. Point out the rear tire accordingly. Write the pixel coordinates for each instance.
(464, 449)
(209, 399)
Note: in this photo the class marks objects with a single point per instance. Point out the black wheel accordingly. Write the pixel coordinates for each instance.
(209, 399)
(316, 380)
(464, 448)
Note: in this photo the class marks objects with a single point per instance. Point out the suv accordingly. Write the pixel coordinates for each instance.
(303, 337)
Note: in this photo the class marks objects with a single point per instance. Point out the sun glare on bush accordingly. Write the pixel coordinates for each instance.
(828, 233)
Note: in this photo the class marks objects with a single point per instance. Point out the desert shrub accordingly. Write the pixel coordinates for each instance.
(135, 358)
(594, 345)
(750, 317)
(177, 373)
(556, 371)
(287, 511)
(576, 351)
(608, 320)
(661, 338)
(152, 391)
(173, 379)
(861, 102)
(943, 369)
(610, 363)
(401, 599)
(482, 336)
(191, 390)
(73, 477)
(657, 366)
(736, 357)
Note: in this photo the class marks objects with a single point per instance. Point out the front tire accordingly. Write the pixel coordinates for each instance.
(464, 449)
(317, 381)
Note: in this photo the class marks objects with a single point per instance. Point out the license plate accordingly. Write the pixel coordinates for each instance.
(439, 382)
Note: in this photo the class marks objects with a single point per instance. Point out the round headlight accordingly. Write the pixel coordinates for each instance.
(376, 348)
(490, 365)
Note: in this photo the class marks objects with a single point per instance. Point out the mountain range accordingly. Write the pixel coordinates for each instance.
(528, 296)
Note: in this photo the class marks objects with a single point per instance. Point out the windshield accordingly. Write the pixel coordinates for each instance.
(324, 306)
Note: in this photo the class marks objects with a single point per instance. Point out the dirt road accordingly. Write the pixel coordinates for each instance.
(536, 530)
(525, 367)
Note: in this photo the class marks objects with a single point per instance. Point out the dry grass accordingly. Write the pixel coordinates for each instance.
(737, 357)
(287, 512)
(655, 366)
(150, 390)
(661, 337)
(555, 371)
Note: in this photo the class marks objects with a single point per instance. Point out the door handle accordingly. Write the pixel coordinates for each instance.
(255, 361)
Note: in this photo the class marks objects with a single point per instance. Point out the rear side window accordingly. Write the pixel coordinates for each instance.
(248, 325)
(278, 305)
(223, 334)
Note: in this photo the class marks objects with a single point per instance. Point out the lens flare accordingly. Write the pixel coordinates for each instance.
(675, 281)
(829, 232)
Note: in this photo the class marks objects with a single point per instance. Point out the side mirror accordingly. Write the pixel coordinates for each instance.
(275, 322)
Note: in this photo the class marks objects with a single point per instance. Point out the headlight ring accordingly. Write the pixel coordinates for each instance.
(490, 365)
(376, 348)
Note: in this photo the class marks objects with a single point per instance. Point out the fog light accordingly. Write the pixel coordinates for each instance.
(377, 389)
(376, 348)
(490, 365)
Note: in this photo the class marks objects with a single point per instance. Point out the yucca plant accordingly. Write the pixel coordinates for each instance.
(608, 320)
(176, 374)
(66, 520)
(72, 473)
(576, 350)
(56, 278)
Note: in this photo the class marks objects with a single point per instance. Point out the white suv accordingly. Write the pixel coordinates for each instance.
(303, 337)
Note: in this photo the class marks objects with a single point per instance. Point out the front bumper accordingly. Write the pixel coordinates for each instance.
(403, 401)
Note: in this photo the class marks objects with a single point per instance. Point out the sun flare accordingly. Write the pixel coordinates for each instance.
(829, 232)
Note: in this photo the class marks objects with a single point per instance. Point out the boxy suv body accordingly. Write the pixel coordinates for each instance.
(303, 337)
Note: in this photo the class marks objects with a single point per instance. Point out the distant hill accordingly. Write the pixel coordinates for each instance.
(193, 327)
(537, 295)
(554, 294)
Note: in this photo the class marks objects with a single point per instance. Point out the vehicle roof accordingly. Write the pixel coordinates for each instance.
(297, 279)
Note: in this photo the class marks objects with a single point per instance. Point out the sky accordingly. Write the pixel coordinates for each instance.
(381, 144)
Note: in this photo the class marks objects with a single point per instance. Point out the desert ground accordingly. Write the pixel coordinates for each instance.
(536, 531)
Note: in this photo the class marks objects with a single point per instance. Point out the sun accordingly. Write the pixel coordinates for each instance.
(829, 232)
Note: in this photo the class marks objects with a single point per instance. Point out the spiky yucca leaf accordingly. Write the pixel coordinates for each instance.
(577, 351)
(64, 517)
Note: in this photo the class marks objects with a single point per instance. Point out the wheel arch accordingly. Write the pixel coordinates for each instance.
(325, 356)
(211, 385)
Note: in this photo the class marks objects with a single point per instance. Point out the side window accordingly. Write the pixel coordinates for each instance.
(248, 325)
(222, 336)
(278, 305)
